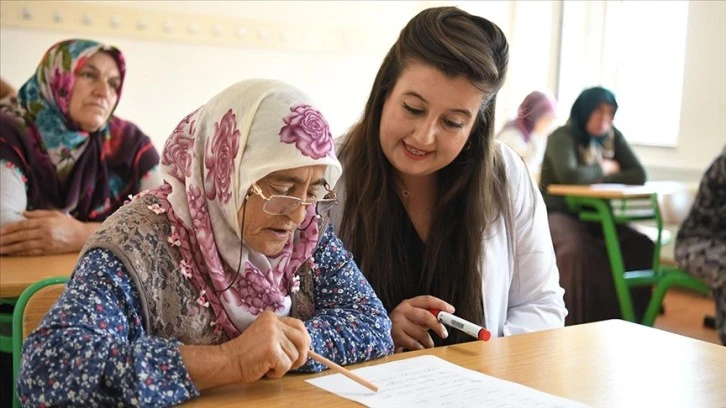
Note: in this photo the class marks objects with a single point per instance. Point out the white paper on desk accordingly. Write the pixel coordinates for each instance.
(428, 381)
(609, 186)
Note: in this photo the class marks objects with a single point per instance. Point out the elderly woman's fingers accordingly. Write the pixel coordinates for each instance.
(297, 334)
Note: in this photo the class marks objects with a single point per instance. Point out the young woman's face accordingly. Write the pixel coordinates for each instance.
(95, 92)
(427, 119)
(267, 233)
(600, 119)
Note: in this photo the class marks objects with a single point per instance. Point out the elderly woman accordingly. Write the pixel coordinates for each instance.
(590, 149)
(701, 240)
(527, 134)
(65, 162)
(227, 273)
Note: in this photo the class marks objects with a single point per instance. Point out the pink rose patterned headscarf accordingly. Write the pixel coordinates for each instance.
(209, 162)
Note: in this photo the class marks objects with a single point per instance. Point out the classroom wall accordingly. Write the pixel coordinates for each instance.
(168, 77)
(702, 133)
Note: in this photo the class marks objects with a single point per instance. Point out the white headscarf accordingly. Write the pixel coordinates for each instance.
(251, 129)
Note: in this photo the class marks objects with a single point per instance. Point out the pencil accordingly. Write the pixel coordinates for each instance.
(338, 369)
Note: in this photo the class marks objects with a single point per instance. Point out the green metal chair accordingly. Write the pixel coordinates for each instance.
(31, 306)
(6, 319)
(660, 277)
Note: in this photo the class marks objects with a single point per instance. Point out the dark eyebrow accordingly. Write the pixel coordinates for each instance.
(416, 95)
(93, 67)
(298, 180)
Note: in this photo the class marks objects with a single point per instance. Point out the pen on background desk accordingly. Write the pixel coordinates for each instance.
(338, 369)
(456, 322)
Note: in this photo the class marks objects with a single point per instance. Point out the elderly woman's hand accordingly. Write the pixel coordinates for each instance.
(411, 322)
(44, 232)
(271, 346)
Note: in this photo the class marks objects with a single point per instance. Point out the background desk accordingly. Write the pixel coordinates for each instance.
(19, 272)
(618, 191)
(593, 203)
(605, 364)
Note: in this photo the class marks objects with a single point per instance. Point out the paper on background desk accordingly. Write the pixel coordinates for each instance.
(429, 381)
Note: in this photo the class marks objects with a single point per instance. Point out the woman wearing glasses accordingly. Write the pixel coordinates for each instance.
(227, 273)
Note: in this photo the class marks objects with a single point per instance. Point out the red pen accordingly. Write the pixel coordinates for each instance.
(467, 327)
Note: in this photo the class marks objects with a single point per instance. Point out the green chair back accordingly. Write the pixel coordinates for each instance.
(30, 308)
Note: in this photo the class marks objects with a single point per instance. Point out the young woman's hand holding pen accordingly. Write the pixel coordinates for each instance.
(412, 321)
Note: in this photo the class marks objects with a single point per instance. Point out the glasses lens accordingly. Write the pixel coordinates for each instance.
(281, 205)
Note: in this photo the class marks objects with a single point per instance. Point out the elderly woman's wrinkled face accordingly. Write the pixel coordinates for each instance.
(600, 119)
(268, 233)
(95, 92)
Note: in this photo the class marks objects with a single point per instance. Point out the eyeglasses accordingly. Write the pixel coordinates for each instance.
(283, 205)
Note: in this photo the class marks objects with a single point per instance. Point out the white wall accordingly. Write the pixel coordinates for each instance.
(167, 79)
(702, 134)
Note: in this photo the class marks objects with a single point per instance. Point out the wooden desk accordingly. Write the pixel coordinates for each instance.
(605, 364)
(618, 191)
(19, 272)
(592, 203)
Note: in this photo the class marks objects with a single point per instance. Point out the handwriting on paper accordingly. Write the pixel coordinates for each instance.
(429, 381)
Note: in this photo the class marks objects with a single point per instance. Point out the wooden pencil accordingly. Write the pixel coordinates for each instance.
(338, 369)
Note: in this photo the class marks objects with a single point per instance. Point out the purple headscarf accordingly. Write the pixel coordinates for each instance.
(534, 106)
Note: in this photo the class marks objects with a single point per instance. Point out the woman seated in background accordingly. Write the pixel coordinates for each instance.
(437, 213)
(6, 91)
(701, 240)
(65, 162)
(589, 149)
(527, 134)
(246, 275)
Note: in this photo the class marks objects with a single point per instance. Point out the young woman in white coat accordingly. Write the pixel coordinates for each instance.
(436, 212)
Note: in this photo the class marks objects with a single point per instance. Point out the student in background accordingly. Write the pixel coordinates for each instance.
(246, 274)
(701, 240)
(589, 149)
(437, 213)
(66, 163)
(6, 91)
(527, 134)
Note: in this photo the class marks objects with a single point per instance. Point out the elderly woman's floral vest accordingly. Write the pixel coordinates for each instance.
(139, 238)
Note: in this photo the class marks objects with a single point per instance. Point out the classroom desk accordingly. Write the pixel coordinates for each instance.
(19, 272)
(592, 203)
(605, 364)
(620, 191)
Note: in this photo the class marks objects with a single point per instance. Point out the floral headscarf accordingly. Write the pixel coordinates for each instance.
(210, 161)
(86, 174)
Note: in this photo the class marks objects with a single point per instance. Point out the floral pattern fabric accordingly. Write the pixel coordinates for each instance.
(308, 130)
(701, 240)
(91, 349)
(210, 161)
(66, 168)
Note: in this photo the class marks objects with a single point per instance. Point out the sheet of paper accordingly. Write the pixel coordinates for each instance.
(429, 381)
(608, 186)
